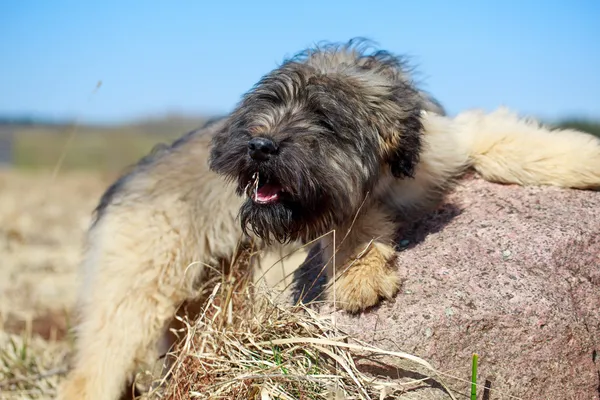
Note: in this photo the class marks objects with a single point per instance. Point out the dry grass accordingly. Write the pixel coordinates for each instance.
(42, 222)
(248, 344)
(30, 366)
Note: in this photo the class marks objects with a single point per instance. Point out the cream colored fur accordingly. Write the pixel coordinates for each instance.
(508, 149)
(148, 251)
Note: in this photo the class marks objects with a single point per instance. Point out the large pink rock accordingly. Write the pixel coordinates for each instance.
(510, 273)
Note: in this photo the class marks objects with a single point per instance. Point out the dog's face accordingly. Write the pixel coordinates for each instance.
(312, 138)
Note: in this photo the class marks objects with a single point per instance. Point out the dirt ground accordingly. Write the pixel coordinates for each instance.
(42, 224)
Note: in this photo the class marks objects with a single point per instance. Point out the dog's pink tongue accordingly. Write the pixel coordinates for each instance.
(267, 193)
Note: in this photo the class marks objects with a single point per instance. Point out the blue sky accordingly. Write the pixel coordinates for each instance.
(538, 57)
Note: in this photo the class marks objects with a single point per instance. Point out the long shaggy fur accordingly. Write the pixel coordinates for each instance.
(507, 149)
(354, 147)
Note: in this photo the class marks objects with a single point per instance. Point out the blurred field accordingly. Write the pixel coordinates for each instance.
(42, 223)
(589, 126)
(88, 147)
(91, 151)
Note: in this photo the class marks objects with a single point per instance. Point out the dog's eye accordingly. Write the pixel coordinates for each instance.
(325, 124)
(323, 121)
(313, 145)
(256, 130)
(326, 119)
(238, 133)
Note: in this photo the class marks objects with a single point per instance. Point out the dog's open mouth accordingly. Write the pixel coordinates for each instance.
(263, 190)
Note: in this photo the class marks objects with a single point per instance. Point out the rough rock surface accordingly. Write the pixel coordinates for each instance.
(509, 273)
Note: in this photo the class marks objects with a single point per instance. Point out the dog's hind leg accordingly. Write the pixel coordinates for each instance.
(136, 276)
(506, 148)
(363, 270)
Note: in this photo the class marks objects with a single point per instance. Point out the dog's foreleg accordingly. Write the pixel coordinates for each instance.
(362, 271)
(135, 278)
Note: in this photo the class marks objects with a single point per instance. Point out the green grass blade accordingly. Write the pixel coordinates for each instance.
(474, 377)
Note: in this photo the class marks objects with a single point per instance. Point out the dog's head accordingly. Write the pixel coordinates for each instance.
(312, 138)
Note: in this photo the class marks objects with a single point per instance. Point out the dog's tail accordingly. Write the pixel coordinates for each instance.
(506, 148)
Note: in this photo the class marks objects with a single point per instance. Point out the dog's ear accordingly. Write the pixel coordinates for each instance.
(395, 110)
(405, 146)
(221, 145)
(217, 143)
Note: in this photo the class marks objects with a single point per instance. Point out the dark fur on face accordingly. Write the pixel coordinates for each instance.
(336, 117)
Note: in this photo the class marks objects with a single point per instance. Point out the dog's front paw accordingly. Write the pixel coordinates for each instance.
(366, 280)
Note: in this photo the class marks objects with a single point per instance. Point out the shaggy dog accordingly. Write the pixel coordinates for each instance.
(340, 139)
(334, 146)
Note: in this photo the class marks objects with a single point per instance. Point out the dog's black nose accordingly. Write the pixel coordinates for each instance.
(261, 148)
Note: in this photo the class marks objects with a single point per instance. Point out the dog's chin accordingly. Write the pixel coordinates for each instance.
(277, 211)
(270, 211)
(269, 218)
